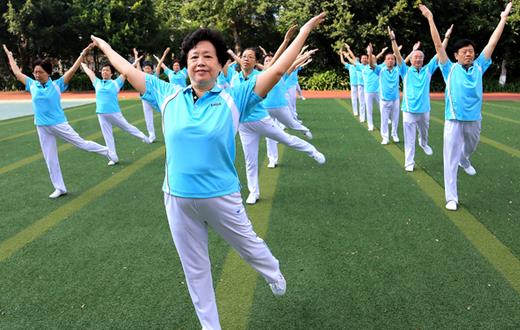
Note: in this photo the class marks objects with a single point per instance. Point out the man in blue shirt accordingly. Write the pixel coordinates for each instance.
(360, 84)
(416, 99)
(463, 101)
(388, 94)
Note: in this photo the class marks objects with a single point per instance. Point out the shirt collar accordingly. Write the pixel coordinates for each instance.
(215, 89)
(48, 83)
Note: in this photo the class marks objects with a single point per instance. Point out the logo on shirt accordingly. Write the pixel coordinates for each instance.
(215, 104)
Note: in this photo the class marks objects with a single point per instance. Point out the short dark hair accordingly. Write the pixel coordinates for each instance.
(256, 50)
(203, 34)
(389, 53)
(461, 43)
(45, 64)
(176, 60)
(148, 63)
(112, 69)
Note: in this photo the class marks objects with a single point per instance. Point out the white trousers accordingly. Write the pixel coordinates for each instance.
(107, 120)
(148, 118)
(48, 135)
(460, 141)
(272, 145)
(189, 219)
(362, 105)
(389, 110)
(413, 123)
(291, 98)
(250, 134)
(370, 99)
(354, 98)
(284, 116)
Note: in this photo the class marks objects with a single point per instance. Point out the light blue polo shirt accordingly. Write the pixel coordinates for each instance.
(46, 101)
(359, 69)
(370, 79)
(353, 74)
(178, 78)
(388, 82)
(464, 89)
(259, 112)
(276, 96)
(106, 95)
(200, 136)
(292, 79)
(416, 86)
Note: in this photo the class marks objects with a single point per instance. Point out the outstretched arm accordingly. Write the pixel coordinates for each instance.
(14, 67)
(267, 79)
(136, 77)
(235, 57)
(381, 53)
(371, 59)
(441, 52)
(137, 63)
(67, 76)
(288, 36)
(490, 47)
(341, 58)
(161, 61)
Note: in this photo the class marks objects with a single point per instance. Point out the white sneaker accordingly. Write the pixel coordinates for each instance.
(308, 135)
(147, 140)
(356, 114)
(279, 287)
(389, 121)
(151, 138)
(370, 128)
(451, 205)
(470, 170)
(57, 193)
(252, 199)
(409, 168)
(385, 141)
(395, 138)
(302, 98)
(111, 163)
(361, 120)
(427, 150)
(271, 164)
(319, 157)
(112, 159)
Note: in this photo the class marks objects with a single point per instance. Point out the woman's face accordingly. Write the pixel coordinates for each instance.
(40, 75)
(248, 59)
(148, 69)
(267, 60)
(203, 65)
(176, 67)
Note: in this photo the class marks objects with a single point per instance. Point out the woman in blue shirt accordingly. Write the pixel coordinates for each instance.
(148, 108)
(201, 184)
(107, 108)
(49, 118)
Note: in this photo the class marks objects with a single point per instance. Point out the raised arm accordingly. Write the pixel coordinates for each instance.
(235, 57)
(447, 37)
(416, 46)
(67, 76)
(371, 59)
(136, 77)
(267, 79)
(395, 48)
(349, 51)
(300, 60)
(381, 53)
(441, 52)
(163, 66)
(341, 58)
(14, 67)
(137, 64)
(88, 72)
(288, 36)
(161, 61)
(490, 47)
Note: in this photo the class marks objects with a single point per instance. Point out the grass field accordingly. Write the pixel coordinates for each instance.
(362, 243)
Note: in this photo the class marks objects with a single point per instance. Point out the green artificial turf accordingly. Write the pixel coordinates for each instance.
(361, 244)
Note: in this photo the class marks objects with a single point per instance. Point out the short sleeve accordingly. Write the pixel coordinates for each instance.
(167, 71)
(95, 82)
(184, 72)
(119, 82)
(403, 69)
(377, 69)
(445, 69)
(158, 90)
(28, 83)
(245, 97)
(483, 62)
(61, 84)
(433, 64)
(347, 66)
